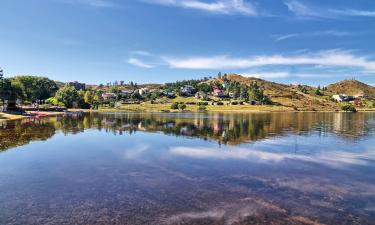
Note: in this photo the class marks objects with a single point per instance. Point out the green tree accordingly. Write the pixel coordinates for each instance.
(35, 88)
(67, 95)
(5, 89)
(88, 98)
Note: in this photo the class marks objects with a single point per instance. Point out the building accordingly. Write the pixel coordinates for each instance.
(169, 94)
(77, 85)
(109, 96)
(217, 92)
(201, 95)
(342, 98)
(187, 90)
(143, 91)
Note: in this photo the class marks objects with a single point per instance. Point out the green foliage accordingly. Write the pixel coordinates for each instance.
(219, 103)
(53, 101)
(202, 108)
(35, 88)
(182, 106)
(5, 89)
(68, 95)
(206, 88)
(203, 103)
(89, 98)
(174, 105)
(348, 107)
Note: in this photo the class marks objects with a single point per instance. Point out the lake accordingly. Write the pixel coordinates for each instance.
(189, 168)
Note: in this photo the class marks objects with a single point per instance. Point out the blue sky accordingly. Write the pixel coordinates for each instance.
(315, 42)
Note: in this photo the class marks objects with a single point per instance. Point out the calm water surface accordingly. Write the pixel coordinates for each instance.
(130, 168)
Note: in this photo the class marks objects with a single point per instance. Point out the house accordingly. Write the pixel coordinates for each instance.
(143, 91)
(217, 92)
(77, 85)
(187, 90)
(201, 95)
(342, 98)
(169, 94)
(109, 96)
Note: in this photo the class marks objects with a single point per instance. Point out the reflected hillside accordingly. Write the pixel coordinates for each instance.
(231, 129)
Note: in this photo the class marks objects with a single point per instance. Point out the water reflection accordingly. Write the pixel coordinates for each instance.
(231, 129)
(129, 168)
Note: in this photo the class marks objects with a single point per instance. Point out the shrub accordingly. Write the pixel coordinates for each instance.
(348, 108)
(234, 103)
(220, 103)
(174, 105)
(182, 106)
(202, 108)
(203, 103)
(111, 105)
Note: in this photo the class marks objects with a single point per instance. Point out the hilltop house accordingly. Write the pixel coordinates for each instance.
(169, 94)
(342, 98)
(143, 91)
(201, 95)
(217, 92)
(109, 96)
(187, 90)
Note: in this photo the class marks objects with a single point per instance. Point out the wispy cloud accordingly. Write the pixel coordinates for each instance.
(337, 58)
(139, 63)
(228, 7)
(333, 33)
(303, 10)
(329, 158)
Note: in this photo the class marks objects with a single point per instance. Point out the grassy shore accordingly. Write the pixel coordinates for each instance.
(6, 116)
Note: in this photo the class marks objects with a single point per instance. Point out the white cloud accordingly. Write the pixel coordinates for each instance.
(352, 12)
(329, 158)
(334, 33)
(309, 11)
(336, 58)
(228, 7)
(139, 63)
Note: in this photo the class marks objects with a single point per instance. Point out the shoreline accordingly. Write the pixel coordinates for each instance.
(31, 114)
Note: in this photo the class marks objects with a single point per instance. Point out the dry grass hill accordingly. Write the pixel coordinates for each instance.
(352, 87)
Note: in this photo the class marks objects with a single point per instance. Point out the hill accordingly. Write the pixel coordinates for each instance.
(296, 96)
(352, 87)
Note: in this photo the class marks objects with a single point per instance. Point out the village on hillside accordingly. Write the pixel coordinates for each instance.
(222, 92)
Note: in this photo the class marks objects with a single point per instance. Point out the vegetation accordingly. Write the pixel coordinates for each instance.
(227, 92)
(348, 107)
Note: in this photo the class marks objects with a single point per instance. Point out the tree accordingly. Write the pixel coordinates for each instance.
(88, 98)
(67, 95)
(182, 106)
(35, 88)
(5, 90)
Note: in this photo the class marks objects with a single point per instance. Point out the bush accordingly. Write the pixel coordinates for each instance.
(182, 106)
(220, 103)
(174, 105)
(202, 108)
(111, 105)
(203, 103)
(348, 108)
(234, 103)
